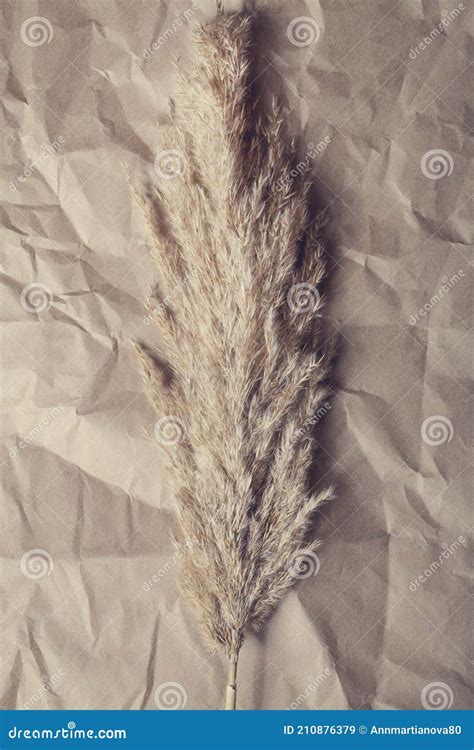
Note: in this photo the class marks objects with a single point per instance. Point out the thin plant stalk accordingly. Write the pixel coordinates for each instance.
(231, 690)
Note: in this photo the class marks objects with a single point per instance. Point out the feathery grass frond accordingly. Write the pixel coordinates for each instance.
(239, 264)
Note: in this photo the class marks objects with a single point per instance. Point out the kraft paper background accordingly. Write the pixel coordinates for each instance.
(92, 615)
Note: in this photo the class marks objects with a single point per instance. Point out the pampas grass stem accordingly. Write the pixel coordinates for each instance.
(244, 363)
(231, 691)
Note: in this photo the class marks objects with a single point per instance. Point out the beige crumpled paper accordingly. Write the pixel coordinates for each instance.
(92, 613)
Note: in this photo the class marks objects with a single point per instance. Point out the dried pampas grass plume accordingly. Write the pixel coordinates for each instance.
(239, 266)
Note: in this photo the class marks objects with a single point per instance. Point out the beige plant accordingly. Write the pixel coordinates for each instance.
(243, 366)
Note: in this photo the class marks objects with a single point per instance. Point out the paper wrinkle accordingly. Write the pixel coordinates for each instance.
(89, 485)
